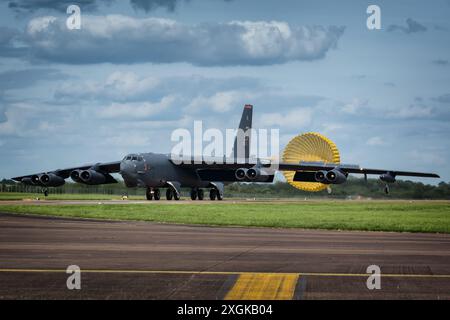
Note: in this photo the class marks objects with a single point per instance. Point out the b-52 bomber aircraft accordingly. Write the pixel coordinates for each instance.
(310, 162)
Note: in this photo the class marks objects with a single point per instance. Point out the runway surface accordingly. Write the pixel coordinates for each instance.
(142, 260)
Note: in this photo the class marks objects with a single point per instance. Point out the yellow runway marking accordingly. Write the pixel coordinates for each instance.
(263, 286)
(313, 274)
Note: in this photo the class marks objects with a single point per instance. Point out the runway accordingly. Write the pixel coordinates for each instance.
(140, 260)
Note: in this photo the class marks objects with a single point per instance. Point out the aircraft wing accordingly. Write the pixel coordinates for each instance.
(211, 164)
(349, 168)
(105, 168)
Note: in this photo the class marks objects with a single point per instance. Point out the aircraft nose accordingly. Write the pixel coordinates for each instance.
(127, 167)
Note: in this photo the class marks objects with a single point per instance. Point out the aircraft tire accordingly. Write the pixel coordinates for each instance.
(219, 196)
(46, 193)
(176, 196)
(212, 194)
(194, 194)
(148, 194)
(157, 194)
(201, 194)
(169, 194)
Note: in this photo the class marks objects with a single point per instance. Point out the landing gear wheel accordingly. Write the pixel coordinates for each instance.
(149, 194)
(212, 194)
(201, 194)
(219, 196)
(169, 194)
(157, 194)
(176, 196)
(193, 194)
(46, 193)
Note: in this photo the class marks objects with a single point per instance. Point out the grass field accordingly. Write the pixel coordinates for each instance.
(4, 196)
(432, 216)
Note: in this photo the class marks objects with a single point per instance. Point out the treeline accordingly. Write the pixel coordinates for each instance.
(354, 188)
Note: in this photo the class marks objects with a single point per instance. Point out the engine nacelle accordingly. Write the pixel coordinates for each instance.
(75, 176)
(240, 174)
(36, 180)
(388, 177)
(321, 176)
(92, 177)
(336, 176)
(253, 173)
(51, 180)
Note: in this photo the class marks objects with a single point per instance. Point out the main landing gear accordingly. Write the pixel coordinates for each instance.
(197, 193)
(214, 194)
(171, 194)
(153, 193)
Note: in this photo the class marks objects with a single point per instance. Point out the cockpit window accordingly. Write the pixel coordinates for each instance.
(134, 158)
(140, 158)
(127, 158)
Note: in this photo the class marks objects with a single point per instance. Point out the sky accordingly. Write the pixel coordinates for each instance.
(138, 69)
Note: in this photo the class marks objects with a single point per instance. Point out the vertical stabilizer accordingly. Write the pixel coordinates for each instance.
(241, 147)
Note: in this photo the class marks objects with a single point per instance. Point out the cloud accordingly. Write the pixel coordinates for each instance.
(440, 62)
(59, 5)
(354, 106)
(221, 102)
(124, 39)
(294, 119)
(149, 5)
(375, 141)
(445, 98)
(90, 5)
(139, 110)
(119, 86)
(412, 26)
(411, 111)
(8, 39)
(17, 79)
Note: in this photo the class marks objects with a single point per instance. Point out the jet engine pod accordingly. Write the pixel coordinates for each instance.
(36, 179)
(321, 176)
(253, 173)
(51, 180)
(309, 147)
(92, 177)
(388, 177)
(240, 174)
(75, 176)
(336, 176)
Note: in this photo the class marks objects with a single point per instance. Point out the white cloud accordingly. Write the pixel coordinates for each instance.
(219, 102)
(140, 110)
(375, 141)
(124, 39)
(117, 86)
(294, 119)
(354, 106)
(411, 111)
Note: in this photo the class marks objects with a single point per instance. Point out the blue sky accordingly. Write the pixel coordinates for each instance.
(136, 70)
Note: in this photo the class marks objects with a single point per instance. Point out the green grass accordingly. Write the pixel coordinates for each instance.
(375, 216)
(4, 196)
